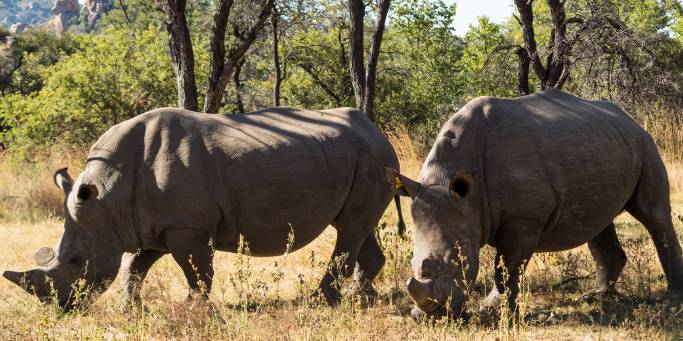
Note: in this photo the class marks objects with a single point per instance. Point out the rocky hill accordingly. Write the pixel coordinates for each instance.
(56, 14)
(27, 12)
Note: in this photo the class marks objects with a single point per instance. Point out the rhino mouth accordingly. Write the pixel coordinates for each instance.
(434, 298)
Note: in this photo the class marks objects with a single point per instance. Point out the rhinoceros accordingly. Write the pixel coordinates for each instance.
(185, 183)
(540, 173)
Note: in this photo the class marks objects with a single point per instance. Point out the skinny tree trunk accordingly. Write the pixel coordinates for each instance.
(522, 72)
(182, 56)
(364, 81)
(238, 87)
(276, 58)
(369, 101)
(356, 63)
(217, 48)
(527, 21)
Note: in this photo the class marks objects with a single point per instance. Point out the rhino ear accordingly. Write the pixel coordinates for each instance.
(44, 256)
(63, 180)
(404, 185)
(462, 184)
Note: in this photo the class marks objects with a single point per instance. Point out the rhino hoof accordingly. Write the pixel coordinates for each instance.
(674, 297)
(417, 314)
(331, 296)
(597, 295)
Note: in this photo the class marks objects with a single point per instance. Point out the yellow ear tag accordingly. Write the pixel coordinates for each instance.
(398, 183)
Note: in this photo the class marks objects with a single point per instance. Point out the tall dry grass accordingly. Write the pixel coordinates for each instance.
(27, 189)
(266, 298)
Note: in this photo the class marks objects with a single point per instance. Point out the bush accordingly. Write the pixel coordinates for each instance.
(113, 77)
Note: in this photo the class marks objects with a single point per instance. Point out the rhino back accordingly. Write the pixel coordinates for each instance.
(568, 164)
(257, 175)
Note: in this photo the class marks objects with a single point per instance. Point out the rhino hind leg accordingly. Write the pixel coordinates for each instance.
(650, 205)
(661, 230)
(134, 269)
(609, 257)
(368, 197)
(369, 263)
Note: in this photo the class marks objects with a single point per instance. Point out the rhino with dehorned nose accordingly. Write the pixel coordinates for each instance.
(184, 183)
(545, 172)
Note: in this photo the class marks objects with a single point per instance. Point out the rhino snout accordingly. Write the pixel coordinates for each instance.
(430, 268)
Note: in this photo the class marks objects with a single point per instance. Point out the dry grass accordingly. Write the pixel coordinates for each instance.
(266, 298)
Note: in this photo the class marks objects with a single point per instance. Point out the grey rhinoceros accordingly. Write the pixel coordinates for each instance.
(539, 173)
(184, 183)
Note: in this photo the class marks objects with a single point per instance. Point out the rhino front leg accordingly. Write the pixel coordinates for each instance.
(134, 269)
(192, 250)
(610, 258)
(515, 243)
(506, 283)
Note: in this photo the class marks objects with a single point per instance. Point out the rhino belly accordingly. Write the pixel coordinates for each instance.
(581, 218)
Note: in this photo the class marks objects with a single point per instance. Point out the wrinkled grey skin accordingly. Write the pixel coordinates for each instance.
(539, 173)
(174, 181)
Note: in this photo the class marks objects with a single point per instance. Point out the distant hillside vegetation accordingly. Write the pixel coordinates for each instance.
(30, 12)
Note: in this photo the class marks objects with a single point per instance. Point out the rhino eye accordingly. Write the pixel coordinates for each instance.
(74, 260)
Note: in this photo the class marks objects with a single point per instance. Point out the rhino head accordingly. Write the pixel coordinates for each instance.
(87, 256)
(446, 241)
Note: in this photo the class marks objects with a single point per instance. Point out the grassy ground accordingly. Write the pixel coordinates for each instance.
(265, 298)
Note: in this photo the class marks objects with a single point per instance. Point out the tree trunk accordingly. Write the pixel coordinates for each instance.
(369, 101)
(276, 59)
(217, 45)
(222, 68)
(364, 82)
(522, 72)
(527, 21)
(238, 86)
(560, 46)
(556, 70)
(182, 56)
(356, 64)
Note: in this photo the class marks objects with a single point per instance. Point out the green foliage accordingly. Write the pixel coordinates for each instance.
(29, 53)
(114, 76)
(418, 79)
(71, 88)
(488, 62)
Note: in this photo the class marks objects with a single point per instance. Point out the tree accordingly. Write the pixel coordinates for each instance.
(556, 71)
(182, 55)
(363, 78)
(276, 57)
(623, 51)
(223, 63)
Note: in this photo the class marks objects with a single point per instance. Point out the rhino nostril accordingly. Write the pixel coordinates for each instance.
(429, 268)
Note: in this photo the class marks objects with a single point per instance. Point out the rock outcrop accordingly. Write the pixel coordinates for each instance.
(64, 11)
(18, 28)
(96, 8)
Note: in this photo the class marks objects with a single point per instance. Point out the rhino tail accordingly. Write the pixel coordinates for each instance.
(401, 223)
